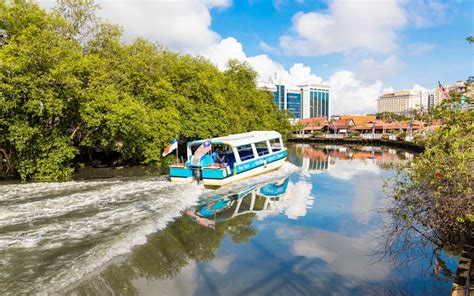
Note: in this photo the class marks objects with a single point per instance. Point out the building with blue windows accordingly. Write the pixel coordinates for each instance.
(304, 101)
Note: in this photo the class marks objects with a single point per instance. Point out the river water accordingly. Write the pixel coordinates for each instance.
(309, 228)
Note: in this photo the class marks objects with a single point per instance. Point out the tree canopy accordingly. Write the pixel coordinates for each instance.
(69, 86)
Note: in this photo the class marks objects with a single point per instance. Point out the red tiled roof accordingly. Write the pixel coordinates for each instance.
(341, 121)
(314, 123)
(359, 119)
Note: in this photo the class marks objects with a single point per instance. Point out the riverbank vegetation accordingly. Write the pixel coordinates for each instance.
(433, 199)
(71, 89)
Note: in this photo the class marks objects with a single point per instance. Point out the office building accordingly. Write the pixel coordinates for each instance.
(304, 101)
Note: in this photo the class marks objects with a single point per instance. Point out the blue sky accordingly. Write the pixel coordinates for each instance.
(361, 48)
(443, 52)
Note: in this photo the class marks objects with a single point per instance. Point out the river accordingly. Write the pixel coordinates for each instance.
(138, 235)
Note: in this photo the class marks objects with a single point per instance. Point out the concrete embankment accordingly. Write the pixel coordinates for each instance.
(464, 282)
(356, 141)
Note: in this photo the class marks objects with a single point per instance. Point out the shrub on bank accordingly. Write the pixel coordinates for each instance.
(434, 197)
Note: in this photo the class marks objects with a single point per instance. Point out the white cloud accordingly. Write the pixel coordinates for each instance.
(346, 26)
(297, 199)
(221, 263)
(426, 13)
(218, 3)
(185, 283)
(350, 95)
(266, 47)
(269, 71)
(419, 48)
(294, 203)
(220, 53)
(346, 170)
(182, 25)
(344, 255)
(279, 4)
(420, 88)
(370, 70)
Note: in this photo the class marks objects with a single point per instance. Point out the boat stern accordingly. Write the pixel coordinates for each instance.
(181, 174)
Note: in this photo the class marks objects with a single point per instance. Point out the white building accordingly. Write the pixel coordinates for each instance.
(400, 102)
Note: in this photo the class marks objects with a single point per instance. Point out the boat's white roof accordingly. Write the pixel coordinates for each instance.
(242, 139)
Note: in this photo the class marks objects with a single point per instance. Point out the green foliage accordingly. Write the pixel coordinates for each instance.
(317, 133)
(69, 85)
(355, 133)
(401, 135)
(389, 116)
(436, 192)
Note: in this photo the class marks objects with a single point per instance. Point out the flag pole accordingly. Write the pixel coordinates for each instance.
(177, 146)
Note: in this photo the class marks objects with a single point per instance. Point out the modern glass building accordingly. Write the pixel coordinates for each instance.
(318, 102)
(304, 101)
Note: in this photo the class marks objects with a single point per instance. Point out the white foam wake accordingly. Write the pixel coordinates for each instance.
(83, 230)
(53, 234)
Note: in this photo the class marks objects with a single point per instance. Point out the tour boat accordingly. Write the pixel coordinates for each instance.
(230, 158)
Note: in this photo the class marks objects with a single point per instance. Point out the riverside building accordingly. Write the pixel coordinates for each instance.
(304, 101)
(400, 102)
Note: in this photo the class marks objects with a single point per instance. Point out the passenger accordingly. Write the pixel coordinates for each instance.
(216, 158)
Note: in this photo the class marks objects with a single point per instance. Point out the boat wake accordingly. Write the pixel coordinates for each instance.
(53, 234)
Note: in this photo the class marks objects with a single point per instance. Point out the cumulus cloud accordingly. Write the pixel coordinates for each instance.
(269, 71)
(370, 69)
(345, 26)
(182, 25)
(350, 95)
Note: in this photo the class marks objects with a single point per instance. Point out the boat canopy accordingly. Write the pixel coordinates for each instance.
(237, 140)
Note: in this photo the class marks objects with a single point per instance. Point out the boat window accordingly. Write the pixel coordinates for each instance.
(262, 148)
(245, 152)
(275, 144)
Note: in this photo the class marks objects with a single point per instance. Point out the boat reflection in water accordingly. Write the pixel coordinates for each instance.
(254, 199)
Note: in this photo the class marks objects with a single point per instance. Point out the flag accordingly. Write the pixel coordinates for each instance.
(171, 146)
(203, 149)
(444, 95)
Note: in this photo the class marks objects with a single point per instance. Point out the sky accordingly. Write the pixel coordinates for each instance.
(360, 48)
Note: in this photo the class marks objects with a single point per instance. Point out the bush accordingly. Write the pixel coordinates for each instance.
(355, 133)
(317, 134)
(434, 197)
(401, 135)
